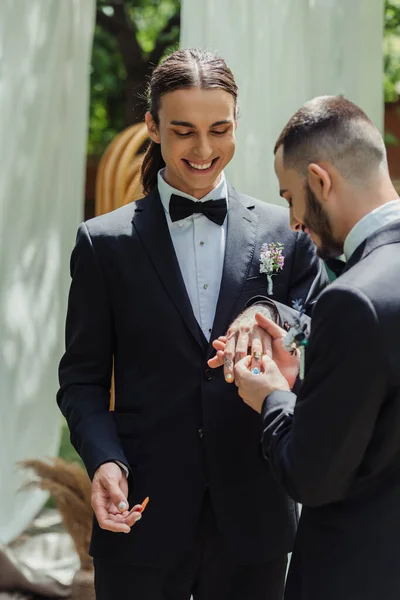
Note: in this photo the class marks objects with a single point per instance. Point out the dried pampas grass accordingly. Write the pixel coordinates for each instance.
(70, 487)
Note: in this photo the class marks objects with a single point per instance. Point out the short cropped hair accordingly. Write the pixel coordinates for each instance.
(332, 129)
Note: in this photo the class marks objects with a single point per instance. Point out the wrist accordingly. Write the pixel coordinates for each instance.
(250, 313)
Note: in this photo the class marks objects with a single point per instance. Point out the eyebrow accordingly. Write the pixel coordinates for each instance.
(187, 124)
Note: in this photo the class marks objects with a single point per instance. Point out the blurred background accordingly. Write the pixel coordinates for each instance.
(72, 103)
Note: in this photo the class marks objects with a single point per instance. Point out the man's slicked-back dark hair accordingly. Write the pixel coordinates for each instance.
(335, 130)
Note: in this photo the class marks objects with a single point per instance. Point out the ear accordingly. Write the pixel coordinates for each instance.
(320, 181)
(152, 128)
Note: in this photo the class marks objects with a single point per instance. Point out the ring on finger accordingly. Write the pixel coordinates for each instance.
(257, 355)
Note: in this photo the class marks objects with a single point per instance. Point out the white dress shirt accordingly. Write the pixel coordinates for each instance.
(381, 216)
(200, 249)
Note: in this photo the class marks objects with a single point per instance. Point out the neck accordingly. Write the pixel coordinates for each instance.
(364, 201)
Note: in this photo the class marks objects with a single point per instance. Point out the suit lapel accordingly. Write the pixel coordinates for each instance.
(151, 225)
(239, 250)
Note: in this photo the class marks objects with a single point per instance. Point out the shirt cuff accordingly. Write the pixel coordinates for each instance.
(123, 467)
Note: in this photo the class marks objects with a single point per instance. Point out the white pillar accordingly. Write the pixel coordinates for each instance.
(45, 50)
(284, 52)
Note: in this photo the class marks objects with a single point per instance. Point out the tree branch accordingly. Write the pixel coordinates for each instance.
(163, 43)
(121, 26)
(110, 24)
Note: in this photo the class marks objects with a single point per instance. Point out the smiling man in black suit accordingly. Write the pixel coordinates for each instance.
(152, 283)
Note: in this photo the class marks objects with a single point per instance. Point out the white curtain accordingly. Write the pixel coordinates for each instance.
(45, 50)
(284, 52)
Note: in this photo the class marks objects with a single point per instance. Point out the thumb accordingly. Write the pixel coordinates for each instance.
(117, 497)
(242, 365)
(268, 363)
(270, 327)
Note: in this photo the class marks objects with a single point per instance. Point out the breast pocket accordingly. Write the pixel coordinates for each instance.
(259, 283)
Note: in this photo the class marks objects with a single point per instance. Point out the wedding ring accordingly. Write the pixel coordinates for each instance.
(256, 355)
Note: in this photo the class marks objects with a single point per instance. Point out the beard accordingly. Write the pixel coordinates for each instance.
(317, 220)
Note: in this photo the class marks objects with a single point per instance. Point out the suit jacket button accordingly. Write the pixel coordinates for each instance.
(208, 374)
(201, 433)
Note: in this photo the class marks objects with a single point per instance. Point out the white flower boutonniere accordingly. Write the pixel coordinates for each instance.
(271, 261)
(296, 339)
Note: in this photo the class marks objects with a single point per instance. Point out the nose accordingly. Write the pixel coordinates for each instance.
(203, 148)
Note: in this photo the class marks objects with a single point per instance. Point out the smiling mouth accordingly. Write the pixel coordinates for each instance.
(200, 168)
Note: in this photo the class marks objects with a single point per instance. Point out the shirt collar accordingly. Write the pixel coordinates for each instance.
(379, 217)
(165, 190)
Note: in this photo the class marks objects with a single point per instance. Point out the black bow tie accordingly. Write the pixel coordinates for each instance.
(180, 208)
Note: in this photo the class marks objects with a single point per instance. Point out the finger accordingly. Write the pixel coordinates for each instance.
(266, 343)
(108, 521)
(242, 368)
(272, 328)
(217, 360)
(242, 344)
(268, 363)
(112, 509)
(133, 517)
(223, 338)
(256, 348)
(218, 345)
(116, 495)
(111, 525)
(229, 354)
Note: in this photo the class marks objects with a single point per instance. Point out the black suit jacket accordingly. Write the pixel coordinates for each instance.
(177, 424)
(339, 452)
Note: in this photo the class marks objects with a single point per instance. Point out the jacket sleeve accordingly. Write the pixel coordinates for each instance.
(86, 367)
(315, 444)
(280, 313)
(309, 276)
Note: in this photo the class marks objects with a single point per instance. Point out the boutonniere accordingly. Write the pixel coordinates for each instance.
(296, 337)
(271, 261)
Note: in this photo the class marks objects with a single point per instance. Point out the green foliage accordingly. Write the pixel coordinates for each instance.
(150, 18)
(155, 33)
(115, 62)
(107, 82)
(67, 451)
(391, 51)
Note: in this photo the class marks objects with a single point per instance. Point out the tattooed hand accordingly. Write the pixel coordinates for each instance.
(244, 337)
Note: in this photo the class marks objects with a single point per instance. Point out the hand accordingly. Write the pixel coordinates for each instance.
(109, 499)
(244, 337)
(253, 389)
(287, 363)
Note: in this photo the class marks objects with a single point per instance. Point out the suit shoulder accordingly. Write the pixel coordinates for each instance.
(111, 223)
(346, 297)
(274, 214)
(267, 208)
(119, 221)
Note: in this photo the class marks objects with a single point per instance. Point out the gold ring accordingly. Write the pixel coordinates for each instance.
(257, 355)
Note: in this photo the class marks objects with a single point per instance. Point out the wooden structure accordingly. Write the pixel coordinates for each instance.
(118, 175)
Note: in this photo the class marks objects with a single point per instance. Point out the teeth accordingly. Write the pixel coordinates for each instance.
(200, 167)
